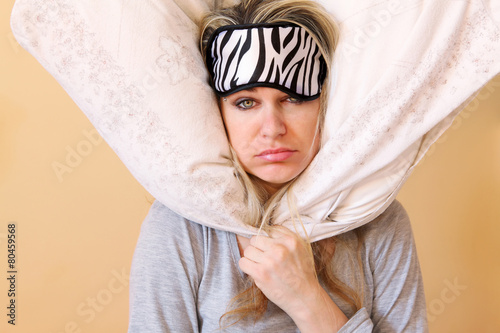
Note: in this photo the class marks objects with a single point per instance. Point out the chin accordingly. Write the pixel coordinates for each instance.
(277, 179)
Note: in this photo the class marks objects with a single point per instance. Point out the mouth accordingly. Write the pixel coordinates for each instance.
(276, 155)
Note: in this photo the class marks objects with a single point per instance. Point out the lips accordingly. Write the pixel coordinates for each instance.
(276, 155)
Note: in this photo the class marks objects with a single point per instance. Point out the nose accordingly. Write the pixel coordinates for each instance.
(273, 122)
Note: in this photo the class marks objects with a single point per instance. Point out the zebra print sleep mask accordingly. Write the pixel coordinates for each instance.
(281, 56)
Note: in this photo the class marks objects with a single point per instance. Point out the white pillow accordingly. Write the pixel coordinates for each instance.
(403, 70)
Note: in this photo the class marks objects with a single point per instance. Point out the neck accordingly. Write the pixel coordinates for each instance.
(270, 188)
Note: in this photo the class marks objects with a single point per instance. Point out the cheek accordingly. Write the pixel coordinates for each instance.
(311, 136)
(241, 144)
(237, 141)
(238, 133)
(310, 127)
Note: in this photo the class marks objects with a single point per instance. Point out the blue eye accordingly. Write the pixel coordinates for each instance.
(245, 104)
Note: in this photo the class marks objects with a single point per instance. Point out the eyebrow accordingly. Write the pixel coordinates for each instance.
(252, 90)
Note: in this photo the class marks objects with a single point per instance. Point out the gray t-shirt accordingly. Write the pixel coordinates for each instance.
(184, 275)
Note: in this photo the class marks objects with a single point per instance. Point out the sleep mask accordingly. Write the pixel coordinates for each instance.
(281, 56)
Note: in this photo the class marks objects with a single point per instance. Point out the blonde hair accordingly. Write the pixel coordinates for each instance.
(314, 19)
(261, 206)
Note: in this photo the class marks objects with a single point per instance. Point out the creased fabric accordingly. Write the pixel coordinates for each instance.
(402, 72)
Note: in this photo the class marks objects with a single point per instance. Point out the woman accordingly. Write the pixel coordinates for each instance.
(268, 62)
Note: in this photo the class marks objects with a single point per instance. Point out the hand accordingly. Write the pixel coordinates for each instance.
(282, 267)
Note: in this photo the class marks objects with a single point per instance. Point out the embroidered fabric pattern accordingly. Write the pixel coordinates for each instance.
(396, 87)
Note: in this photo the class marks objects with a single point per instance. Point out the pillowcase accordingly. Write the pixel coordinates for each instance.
(402, 72)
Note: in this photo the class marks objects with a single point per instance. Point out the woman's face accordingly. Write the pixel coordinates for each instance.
(274, 135)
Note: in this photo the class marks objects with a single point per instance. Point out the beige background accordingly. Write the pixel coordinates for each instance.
(77, 226)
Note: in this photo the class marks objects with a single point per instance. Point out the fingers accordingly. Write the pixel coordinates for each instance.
(280, 266)
(260, 255)
(261, 242)
(283, 248)
(255, 264)
(254, 254)
(247, 266)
